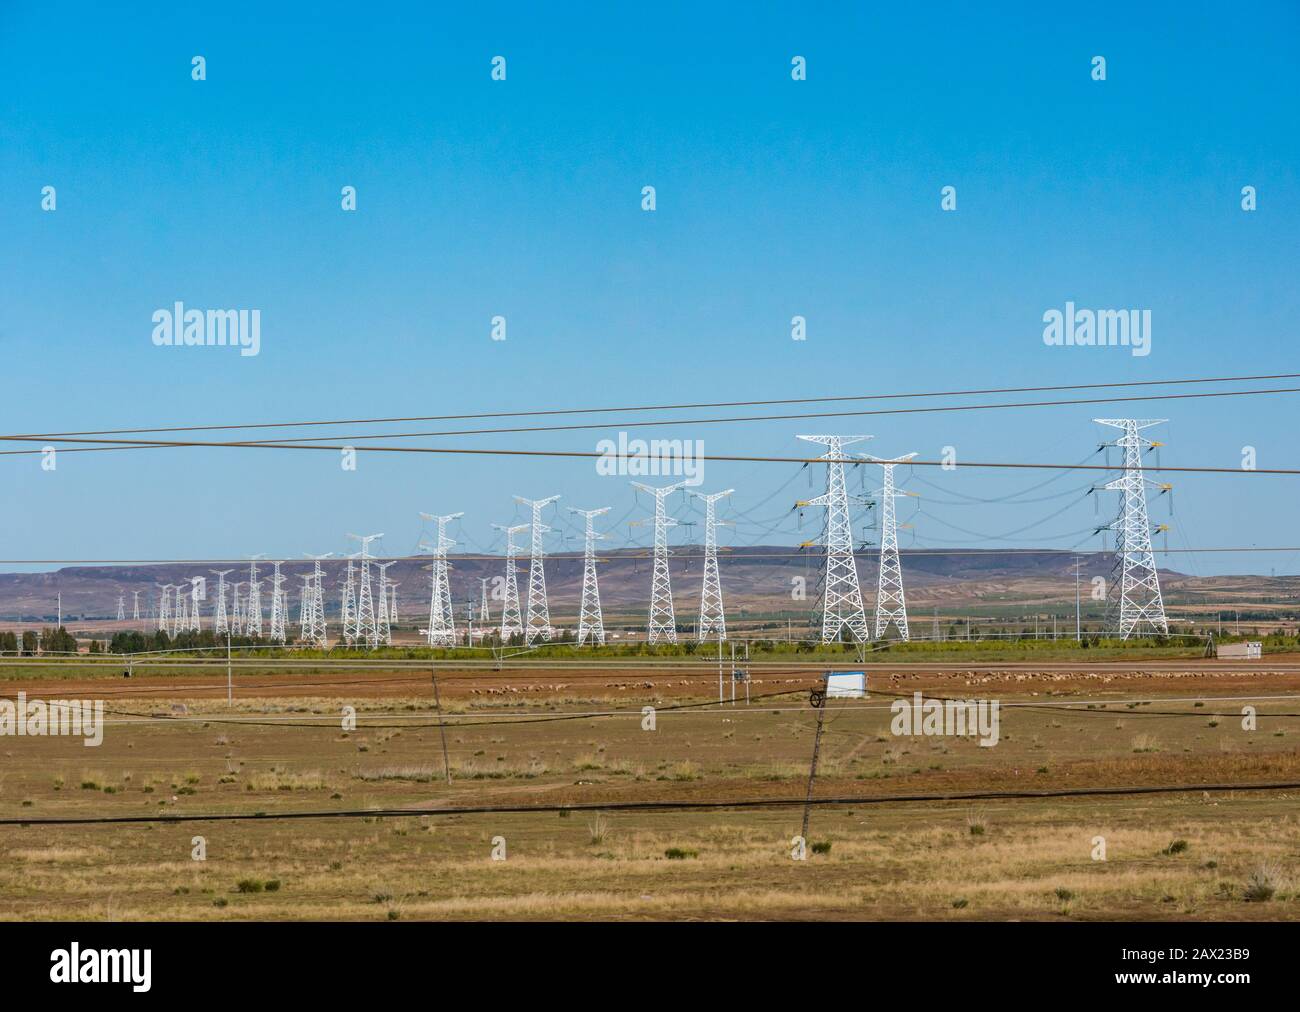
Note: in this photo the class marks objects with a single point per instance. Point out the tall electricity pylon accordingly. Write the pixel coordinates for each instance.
(277, 605)
(164, 607)
(713, 617)
(236, 610)
(442, 618)
(537, 622)
(348, 604)
(181, 619)
(220, 620)
(1133, 601)
(891, 604)
(841, 594)
(484, 612)
(253, 609)
(392, 604)
(314, 630)
(196, 597)
(367, 631)
(135, 607)
(591, 624)
(512, 621)
(384, 622)
(662, 624)
(121, 607)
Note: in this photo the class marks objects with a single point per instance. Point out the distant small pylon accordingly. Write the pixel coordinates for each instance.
(121, 607)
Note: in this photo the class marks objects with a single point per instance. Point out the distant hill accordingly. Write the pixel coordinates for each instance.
(758, 579)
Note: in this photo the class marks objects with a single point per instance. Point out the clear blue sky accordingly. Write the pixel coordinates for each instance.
(775, 198)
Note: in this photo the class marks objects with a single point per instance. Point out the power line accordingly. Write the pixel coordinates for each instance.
(659, 806)
(667, 407)
(285, 443)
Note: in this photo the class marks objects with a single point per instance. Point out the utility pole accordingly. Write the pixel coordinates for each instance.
(817, 699)
(662, 624)
(841, 594)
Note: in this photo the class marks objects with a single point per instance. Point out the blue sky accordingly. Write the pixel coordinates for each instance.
(522, 198)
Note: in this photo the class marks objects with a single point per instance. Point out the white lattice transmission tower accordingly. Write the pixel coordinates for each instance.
(181, 617)
(484, 611)
(121, 607)
(220, 618)
(135, 606)
(891, 602)
(383, 618)
(713, 616)
(253, 606)
(841, 594)
(662, 623)
(164, 606)
(197, 588)
(537, 618)
(591, 623)
(236, 609)
(1133, 601)
(278, 602)
(314, 630)
(366, 629)
(442, 616)
(512, 619)
(348, 603)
